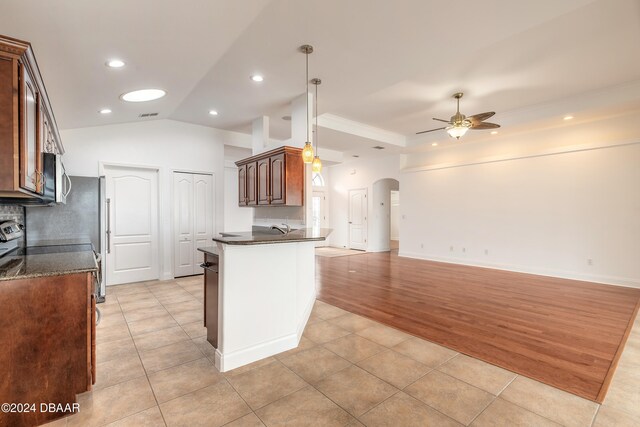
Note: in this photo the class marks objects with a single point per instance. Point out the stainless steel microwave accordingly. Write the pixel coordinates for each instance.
(57, 184)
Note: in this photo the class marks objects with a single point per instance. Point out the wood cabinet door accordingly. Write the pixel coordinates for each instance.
(30, 129)
(264, 192)
(252, 184)
(278, 179)
(211, 298)
(242, 185)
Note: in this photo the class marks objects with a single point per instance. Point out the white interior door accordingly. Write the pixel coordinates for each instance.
(183, 224)
(193, 220)
(358, 219)
(132, 203)
(319, 213)
(203, 217)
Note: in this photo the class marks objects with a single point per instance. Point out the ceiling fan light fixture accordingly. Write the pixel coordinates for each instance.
(457, 131)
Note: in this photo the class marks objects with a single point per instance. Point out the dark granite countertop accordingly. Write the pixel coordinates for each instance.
(211, 250)
(262, 236)
(16, 266)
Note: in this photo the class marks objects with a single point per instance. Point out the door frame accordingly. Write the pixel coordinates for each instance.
(365, 220)
(325, 204)
(172, 228)
(158, 170)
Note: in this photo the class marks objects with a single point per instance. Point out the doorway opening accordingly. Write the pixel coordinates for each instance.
(385, 219)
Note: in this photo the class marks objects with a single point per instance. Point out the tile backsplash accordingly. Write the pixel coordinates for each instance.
(12, 212)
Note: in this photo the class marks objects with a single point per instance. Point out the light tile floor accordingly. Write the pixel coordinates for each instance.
(155, 368)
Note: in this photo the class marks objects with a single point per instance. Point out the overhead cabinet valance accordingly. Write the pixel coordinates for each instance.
(274, 178)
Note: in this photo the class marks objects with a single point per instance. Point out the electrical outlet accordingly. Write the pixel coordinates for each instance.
(486, 251)
(450, 248)
(589, 261)
(422, 245)
(464, 249)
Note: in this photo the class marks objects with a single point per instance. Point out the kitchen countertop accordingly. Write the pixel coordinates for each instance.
(261, 237)
(16, 266)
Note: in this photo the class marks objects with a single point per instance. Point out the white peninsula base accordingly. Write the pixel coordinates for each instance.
(265, 295)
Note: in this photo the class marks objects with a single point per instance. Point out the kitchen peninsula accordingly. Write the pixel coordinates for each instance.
(259, 292)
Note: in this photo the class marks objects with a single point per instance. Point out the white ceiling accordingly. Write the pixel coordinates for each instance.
(391, 65)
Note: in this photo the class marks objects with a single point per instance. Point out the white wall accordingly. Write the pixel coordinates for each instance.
(360, 173)
(559, 202)
(395, 215)
(380, 215)
(165, 144)
(236, 218)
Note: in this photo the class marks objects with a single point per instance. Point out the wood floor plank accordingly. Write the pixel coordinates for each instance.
(565, 333)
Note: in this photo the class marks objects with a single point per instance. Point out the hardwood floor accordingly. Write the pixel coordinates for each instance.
(565, 333)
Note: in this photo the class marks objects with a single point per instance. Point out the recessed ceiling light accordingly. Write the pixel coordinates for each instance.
(567, 118)
(494, 132)
(435, 144)
(213, 112)
(143, 95)
(257, 78)
(115, 63)
(105, 111)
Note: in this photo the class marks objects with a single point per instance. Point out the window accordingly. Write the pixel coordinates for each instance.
(317, 180)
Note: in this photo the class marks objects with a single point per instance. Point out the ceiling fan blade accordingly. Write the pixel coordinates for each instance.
(430, 130)
(483, 125)
(477, 118)
(441, 120)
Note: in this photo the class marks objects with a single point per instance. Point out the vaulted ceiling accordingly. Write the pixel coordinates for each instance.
(392, 65)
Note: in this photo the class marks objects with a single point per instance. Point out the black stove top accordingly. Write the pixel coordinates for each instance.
(54, 249)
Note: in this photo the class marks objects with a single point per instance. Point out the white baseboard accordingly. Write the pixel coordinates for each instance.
(305, 318)
(229, 361)
(245, 356)
(606, 280)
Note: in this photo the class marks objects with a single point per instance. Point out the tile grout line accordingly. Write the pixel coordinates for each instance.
(529, 410)
(595, 415)
(146, 376)
(140, 358)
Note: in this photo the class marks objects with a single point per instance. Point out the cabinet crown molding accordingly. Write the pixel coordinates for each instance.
(284, 149)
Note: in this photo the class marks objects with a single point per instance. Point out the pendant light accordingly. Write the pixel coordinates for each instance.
(307, 151)
(316, 166)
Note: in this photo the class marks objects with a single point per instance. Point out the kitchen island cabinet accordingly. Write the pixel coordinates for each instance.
(259, 292)
(47, 333)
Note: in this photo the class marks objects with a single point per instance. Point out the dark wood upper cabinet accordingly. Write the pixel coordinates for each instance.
(275, 177)
(278, 184)
(242, 185)
(31, 176)
(263, 182)
(27, 124)
(252, 184)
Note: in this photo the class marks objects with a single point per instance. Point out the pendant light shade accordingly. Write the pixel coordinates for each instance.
(316, 166)
(307, 151)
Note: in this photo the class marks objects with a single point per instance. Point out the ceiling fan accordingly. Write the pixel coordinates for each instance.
(459, 124)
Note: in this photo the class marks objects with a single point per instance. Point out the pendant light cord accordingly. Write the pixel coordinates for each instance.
(307, 97)
(316, 111)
